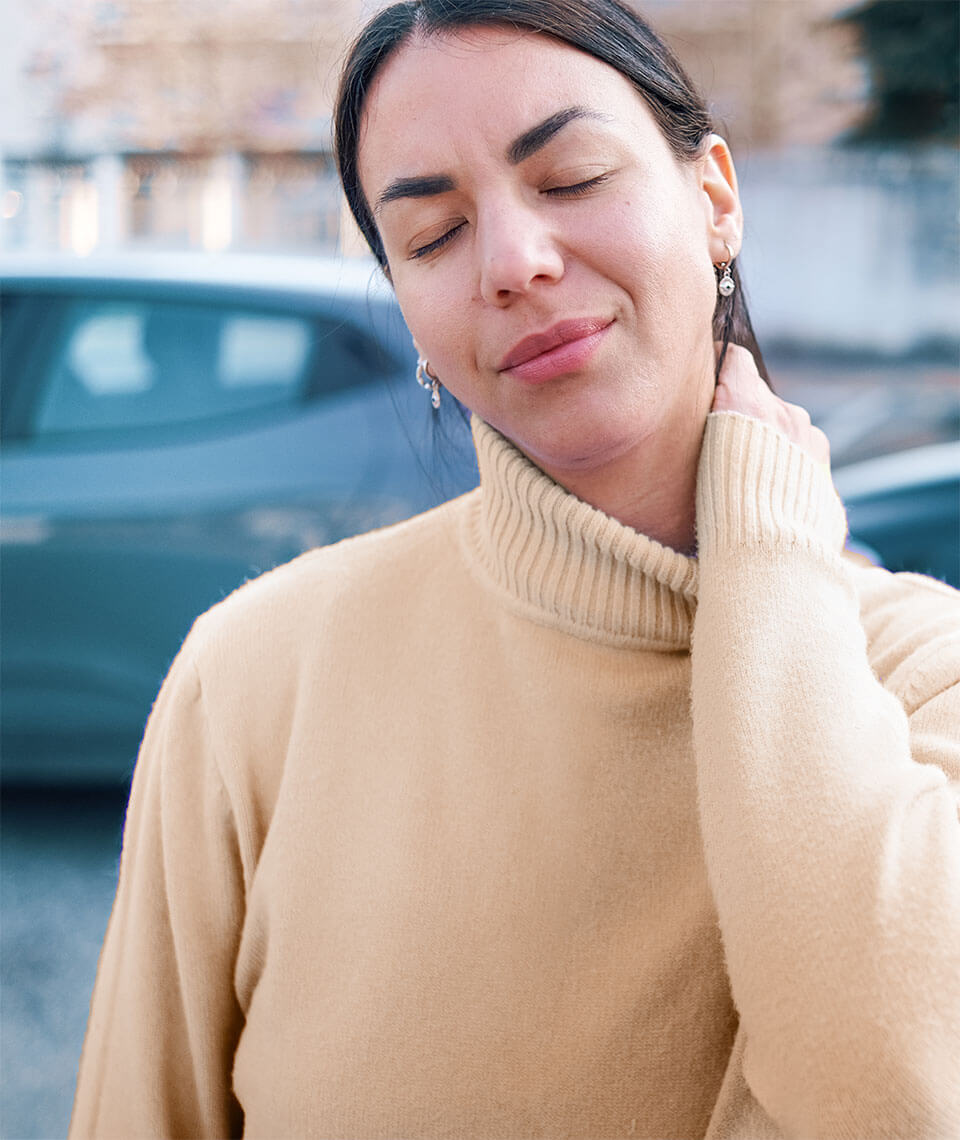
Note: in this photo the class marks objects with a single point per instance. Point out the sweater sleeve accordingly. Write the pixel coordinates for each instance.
(164, 1018)
(828, 807)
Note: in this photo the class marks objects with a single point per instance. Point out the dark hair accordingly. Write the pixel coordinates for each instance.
(605, 29)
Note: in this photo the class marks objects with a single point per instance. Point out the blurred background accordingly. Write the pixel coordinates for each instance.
(202, 376)
(156, 124)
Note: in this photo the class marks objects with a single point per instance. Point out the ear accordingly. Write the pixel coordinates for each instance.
(721, 198)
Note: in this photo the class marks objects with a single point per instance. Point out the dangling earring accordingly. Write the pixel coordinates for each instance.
(427, 380)
(726, 284)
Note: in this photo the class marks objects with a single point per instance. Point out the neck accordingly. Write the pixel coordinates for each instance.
(651, 488)
(576, 568)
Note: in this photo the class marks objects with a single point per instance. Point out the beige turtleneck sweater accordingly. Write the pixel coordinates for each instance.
(507, 822)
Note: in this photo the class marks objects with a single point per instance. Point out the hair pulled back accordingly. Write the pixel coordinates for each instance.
(605, 29)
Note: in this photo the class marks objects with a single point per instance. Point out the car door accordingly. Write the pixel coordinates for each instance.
(159, 449)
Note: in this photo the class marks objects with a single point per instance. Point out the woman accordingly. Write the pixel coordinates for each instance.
(609, 800)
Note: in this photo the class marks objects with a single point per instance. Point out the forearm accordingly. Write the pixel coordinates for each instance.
(833, 854)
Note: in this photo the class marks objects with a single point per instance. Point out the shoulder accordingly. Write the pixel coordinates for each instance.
(912, 626)
(292, 648)
(294, 603)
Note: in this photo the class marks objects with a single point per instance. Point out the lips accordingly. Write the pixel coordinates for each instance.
(562, 333)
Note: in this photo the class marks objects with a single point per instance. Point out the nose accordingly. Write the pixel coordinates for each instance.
(517, 252)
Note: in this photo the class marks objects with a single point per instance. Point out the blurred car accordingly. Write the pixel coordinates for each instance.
(171, 426)
(903, 509)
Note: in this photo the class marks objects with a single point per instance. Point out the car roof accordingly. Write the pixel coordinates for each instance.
(916, 467)
(309, 275)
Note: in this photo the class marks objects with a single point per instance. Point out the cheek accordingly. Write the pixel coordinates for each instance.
(437, 317)
(660, 256)
(635, 242)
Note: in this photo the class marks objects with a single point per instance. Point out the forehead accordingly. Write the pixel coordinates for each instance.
(440, 96)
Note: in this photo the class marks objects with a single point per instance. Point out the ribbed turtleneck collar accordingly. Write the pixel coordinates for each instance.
(566, 564)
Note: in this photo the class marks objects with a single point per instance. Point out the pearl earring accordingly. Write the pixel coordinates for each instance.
(428, 381)
(726, 284)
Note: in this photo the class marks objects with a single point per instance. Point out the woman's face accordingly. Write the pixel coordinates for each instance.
(523, 190)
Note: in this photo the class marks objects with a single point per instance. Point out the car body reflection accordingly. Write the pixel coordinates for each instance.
(174, 425)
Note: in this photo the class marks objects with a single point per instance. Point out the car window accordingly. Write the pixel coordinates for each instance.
(262, 351)
(112, 368)
(139, 364)
(105, 356)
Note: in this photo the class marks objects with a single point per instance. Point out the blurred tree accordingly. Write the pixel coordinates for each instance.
(912, 48)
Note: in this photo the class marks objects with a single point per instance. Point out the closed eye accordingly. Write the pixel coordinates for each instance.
(574, 191)
(578, 188)
(441, 241)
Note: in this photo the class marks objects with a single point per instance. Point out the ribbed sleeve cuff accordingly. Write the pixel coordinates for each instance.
(756, 488)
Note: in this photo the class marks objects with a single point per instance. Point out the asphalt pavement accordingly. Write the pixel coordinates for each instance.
(59, 857)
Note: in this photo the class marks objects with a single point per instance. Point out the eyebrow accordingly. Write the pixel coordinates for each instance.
(429, 185)
(537, 137)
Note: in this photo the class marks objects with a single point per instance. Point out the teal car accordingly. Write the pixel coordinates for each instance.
(173, 425)
(904, 509)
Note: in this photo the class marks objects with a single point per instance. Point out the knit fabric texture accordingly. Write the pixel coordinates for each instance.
(509, 823)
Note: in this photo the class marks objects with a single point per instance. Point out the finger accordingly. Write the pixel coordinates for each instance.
(820, 446)
(740, 387)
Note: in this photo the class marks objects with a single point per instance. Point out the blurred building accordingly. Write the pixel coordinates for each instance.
(207, 125)
(777, 73)
(168, 123)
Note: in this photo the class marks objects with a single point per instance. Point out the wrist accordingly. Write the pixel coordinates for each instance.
(756, 488)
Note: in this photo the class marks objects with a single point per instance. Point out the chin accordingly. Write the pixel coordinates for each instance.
(578, 444)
